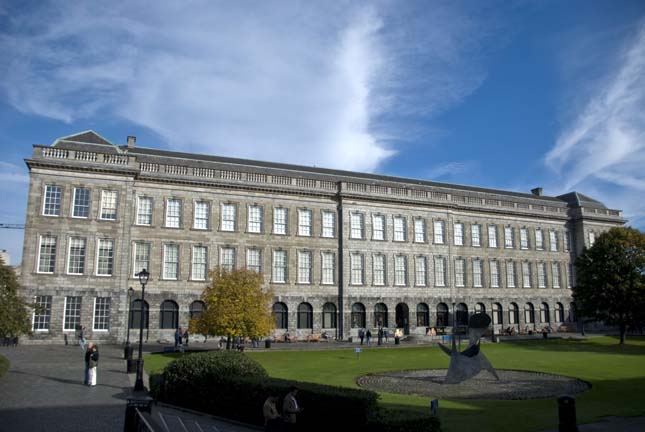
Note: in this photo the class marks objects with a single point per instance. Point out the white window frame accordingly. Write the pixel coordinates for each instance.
(228, 218)
(357, 274)
(439, 232)
(509, 241)
(255, 219)
(400, 270)
(539, 239)
(103, 204)
(439, 271)
(173, 220)
(494, 273)
(194, 263)
(75, 317)
(53, 256)
(399, 228)
(553, 240)
(458, 234)
(254, 259)
(136, 244)
(511, 277)
(526, 275)
(224, 253)
(419, 230)
(524, 239)
(556, 274)
(99, 243)
(44, 310)
(201, 215)
(305, 222)
(283, 268)
(139, 208)
(357, 226)
(541, 275)
(55, 196)
(476, 235)
(328, 258)
(421, 271)
(102, 316)
(89, 202)
(284, 218)
(492, 236)
(83, 257)
(381, 219)
(460, 272)
(167, 264)
(478, 281)
(305, 259)
(328, 224)
(382, 270)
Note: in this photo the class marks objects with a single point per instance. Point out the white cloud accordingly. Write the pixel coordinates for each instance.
(605, 144)
(450, 169)
(12, 174)
(301, 82)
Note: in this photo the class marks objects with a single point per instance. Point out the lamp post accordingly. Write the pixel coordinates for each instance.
(127, 351)
(144, 276)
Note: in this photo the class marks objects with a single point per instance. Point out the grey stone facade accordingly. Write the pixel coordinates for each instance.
(90, 162)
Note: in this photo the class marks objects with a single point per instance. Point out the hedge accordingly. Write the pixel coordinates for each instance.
(192, 382)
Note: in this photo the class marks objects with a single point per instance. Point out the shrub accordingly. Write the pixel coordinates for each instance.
(389, 420)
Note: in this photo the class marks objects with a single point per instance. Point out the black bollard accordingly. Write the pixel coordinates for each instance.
(567, 414)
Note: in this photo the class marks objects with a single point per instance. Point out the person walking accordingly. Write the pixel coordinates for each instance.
(290, 409)
(186, 335)
(368, 336)
(88, 354)
(271, 415)
(178, 336)
(361, 334)
(93, 364)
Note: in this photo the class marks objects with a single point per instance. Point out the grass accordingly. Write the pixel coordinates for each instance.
(4, 365)
(616, 374)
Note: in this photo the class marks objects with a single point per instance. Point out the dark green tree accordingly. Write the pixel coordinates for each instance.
(610, 279)
(14, 313)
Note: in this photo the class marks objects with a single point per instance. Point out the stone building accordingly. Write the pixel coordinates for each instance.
(341, 250)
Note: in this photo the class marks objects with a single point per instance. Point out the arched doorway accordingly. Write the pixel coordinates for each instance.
(403, 317)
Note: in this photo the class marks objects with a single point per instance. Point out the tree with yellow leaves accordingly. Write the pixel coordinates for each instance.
(236, 305)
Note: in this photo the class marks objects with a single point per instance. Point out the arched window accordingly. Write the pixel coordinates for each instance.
(169, 315)
(329, 315)
(462, 315)
(544, 313)
(442, 315)
(196, 309)
(559, 312)
(572, 312)
(135, 314)
(480, 308)
(358, 315)
(498, 317)
(529, 313)
(380, 315)
(305, 316)
(280, 315)
(513, 313)
(423, 315)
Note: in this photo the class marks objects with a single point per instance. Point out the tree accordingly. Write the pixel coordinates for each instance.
(236, 305)
(14, 315)
(610, 283)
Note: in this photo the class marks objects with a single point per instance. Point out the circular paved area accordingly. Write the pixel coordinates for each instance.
(511, 385)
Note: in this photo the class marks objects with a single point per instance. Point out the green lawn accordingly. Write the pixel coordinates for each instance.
(617, 376)
(4, 365)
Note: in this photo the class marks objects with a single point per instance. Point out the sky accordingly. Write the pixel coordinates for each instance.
(509, 95)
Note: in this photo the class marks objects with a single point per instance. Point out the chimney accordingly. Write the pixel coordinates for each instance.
(131, 141)
(537, 191)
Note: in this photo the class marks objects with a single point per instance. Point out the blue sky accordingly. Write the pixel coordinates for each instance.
(509, 95)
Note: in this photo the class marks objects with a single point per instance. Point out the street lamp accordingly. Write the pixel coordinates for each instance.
(127, 351)
(143, 276)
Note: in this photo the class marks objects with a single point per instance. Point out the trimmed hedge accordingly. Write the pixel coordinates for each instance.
(211, 383)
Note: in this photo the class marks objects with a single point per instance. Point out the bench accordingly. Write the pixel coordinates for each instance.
(314, 337)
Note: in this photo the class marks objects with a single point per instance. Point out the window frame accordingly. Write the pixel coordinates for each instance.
(88, 206)
(56, 196)
(102, 206)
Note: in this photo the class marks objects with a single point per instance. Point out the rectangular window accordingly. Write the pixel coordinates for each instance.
(570, 279)
(541, 273)
(170, 261)
(42, 313)
(592, 238)
(460, 272)
(400, 270)
(539, 239)
(255, 219)
(328, 263)
(419, 231)
(47, 254)
(526, 274)
(329, 224)
(72, 313)
(280, 221)
(356, 221)
(108, 204)
(492, 236)
(555, 272)
(399, 228)
(81, 203)
(144, 211)
(378, 227)
(477, 273)
(76, 257)
(227, 258)
(304, 223)
(356, 262)
(494, 274)
(101, 314)
(510, 274)
(421, 271)
(508, 237)
(51, 204)
(379, 269)
(304, 267)
(439, 271)
(141, 257)
(458, 230)
(199, 265)
(279, 266)
(438, 232)
(475, 234)
(228, 217)
(105, 257)
(567, 241)
(524, 238)
(173, 213)
(201, 219)
(254, 260)
(553, 241)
